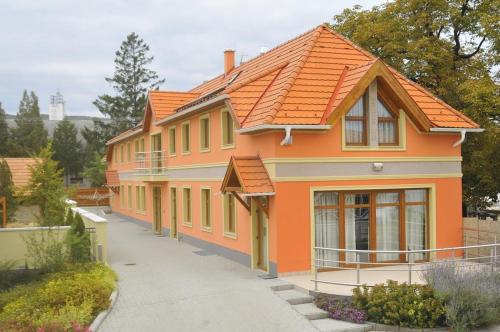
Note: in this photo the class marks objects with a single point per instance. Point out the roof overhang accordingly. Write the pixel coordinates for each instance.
(267, 127)
(219, 100)
(461, 131)
(119, 138)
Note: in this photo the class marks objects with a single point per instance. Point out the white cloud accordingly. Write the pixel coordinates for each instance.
(70, 45)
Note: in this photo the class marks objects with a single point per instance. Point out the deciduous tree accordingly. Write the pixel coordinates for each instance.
(67, 148)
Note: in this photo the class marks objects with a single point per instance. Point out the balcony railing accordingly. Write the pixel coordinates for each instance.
(151, 163)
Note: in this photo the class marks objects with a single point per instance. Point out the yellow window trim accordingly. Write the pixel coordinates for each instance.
(226, 146)
(431, 204)
(185, 207)
(200, 121)
(183, 125)
(400, 147)
(170, 130)
(202, 226)
(231, 235)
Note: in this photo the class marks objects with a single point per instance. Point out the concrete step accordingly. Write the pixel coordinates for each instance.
(293, 296)
(310, 311)
(279, 285)
(331, 325)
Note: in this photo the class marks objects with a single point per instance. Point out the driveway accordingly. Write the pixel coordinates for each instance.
(165, 286)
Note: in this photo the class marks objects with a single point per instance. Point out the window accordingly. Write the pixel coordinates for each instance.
(139, 148)
(206, 208)
(122, 196)
(129, 196)
(392, 219)
(229, 215)
(227, 129)
(140, 198)
(122, 159)
(185, 138)
(186, 206)
(115, 154)
(387, 125)
(356, 124)
(173, 210)
(171, 141)
(129, 152)
(205, 133)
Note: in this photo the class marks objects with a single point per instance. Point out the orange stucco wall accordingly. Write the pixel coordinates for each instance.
(289, 223)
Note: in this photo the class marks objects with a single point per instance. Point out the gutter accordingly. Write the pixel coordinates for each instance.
(192, 109)
(287, 140)
(462, 131)
(131, 134)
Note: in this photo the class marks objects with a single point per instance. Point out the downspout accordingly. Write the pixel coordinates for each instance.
(462, 131)
(462, 138)
(288, 136)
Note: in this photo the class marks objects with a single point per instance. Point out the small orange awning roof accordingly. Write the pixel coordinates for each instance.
(112, 179)
(20, 170)
(247, 175)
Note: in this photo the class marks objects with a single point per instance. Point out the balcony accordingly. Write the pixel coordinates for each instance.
(152, 163)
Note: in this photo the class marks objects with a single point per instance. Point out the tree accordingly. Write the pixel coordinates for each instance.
(67, 148)
(94, 172)
(4, 133)
(452, 48)
(78, 241)
(46, 188)
(131, 81)
(6, 188)
(29, 136)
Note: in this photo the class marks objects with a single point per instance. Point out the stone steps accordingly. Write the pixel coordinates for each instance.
(310, 311)
(293, 296)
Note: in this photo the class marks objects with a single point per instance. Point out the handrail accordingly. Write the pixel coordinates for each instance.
(410, 266)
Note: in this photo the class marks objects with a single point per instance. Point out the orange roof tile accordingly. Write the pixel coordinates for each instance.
(112, 179)
(20, 169)
(164, 103)
(248, 173)
(298, 82)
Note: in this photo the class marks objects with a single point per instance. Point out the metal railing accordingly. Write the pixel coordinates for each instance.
(458, 257)
(151, 163)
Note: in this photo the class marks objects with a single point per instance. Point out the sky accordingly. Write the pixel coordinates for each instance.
(69, 46)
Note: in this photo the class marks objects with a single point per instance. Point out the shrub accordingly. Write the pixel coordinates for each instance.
(69, 218)
(471, 294)
(46, 251)
(78, 241)
(61, 302)
(340, 309)
(400, 304)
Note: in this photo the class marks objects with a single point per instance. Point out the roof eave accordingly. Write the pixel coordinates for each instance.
(193, 109)
(266, 127)
(457, 130)
(131, 134)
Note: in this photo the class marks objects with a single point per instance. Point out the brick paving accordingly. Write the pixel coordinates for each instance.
(164, 286)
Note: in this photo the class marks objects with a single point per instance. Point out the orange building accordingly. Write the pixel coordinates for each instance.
(315, 143)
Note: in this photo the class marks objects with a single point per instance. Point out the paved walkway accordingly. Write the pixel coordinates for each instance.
(164, 286)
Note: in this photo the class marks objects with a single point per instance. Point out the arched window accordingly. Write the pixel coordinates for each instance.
(355, 123)
(387, 125)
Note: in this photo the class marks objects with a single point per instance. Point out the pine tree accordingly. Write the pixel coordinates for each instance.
(29, 136)
(78, 241)
(4, 133)
(46, 189)
(95, 171)
(67, 148)
(7, 188)
(131, 81)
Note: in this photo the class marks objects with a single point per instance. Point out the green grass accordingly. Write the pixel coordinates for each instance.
(57, 301)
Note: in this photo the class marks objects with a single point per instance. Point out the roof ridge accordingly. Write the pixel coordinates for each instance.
(348, 41)
(432, 95)
(293, 75)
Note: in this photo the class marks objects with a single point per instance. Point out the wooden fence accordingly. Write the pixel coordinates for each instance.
(91, 196)
(478, 232)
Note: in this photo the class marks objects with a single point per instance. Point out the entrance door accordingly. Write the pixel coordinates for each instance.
(173, 212)
(261, 239)
(157, 210)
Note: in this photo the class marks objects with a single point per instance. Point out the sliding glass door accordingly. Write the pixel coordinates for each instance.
(357, 225)
(326, 219)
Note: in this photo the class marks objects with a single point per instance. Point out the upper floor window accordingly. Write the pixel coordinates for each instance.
(227, 124)
(356, 123)
(129, 152)
(387, 125)
(205, 133)
(139, 148)
(122, 158)
(186, 137)
(171, 141)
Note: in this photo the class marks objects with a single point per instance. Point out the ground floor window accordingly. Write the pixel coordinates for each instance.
(140, 198)
(229, 214)
(186, 206)
(206, 207)
(370, 220)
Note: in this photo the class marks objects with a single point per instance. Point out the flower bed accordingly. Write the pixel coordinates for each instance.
(63, 301)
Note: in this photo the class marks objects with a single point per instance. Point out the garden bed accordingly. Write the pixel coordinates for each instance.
(68, 300)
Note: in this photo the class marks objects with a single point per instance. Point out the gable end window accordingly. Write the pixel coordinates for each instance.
(387, 125)
(356, 123)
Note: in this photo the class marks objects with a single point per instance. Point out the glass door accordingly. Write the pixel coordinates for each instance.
(357, 225)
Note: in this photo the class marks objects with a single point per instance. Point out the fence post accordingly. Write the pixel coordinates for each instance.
(315, 272)
(465, 250)
(492, 258)
(357, 269)
(410, 262)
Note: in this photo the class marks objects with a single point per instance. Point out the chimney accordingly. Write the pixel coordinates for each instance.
(228, 61)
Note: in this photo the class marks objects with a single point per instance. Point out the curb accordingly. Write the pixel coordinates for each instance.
(103, 314)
